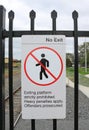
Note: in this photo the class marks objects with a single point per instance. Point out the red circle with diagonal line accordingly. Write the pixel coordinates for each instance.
(30, 54)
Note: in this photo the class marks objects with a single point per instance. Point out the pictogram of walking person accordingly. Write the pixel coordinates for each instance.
(45, 63)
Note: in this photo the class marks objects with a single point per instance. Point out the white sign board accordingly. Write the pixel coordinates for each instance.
(43, 77)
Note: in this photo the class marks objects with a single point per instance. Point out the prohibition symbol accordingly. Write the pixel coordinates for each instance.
(43, 66)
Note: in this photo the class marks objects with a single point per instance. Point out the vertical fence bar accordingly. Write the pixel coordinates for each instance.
(75, 16)
(32, 16)
(54, 16)
(2, 55)
(11, 111)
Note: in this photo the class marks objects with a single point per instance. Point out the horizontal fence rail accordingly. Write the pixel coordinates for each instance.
(12, 34)
(70, 33)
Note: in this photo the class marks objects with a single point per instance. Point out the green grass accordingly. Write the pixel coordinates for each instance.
(82, 79)
(70, 73)
(82, 71)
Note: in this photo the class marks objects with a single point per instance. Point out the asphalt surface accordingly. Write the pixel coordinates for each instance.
(16, 83)
(68, 123)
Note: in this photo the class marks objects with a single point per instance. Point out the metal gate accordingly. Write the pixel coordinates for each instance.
(10, 34)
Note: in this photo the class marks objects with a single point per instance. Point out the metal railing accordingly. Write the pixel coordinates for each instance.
(10, 34)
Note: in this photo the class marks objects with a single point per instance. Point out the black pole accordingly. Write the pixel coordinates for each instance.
(54, 16)
(11, 111)
(2, 55)
(75, 16)
(32, 17)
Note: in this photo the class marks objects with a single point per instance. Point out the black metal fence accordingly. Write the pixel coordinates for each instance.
(10, 34)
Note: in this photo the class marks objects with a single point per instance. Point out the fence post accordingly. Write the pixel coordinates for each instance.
(75, 16)
(54, 16)
(32, 16)
(2, 55)
(11, 111)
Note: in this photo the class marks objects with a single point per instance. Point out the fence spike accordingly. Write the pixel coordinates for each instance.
(11, 15)
(75, 14)
(54, 14)
(32, 14)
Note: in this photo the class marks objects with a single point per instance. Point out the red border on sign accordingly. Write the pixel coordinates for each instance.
(55, 79)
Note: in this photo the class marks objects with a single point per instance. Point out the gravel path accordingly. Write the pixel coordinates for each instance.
(68, 123)
(83, 105)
